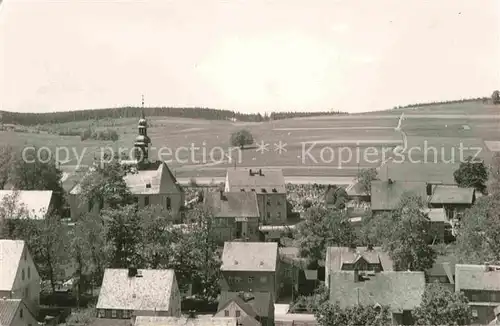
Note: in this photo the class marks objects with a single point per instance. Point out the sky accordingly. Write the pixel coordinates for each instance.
(246, 55)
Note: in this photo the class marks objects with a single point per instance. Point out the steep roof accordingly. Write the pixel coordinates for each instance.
(184, 321)
(10, 255)
(150, 292)
(8, 309)
(339, 255)
(33, 204)
(436, 214)
(253, 303)
(477, 277)
(398, 290)
(250, 256)
(386, 196)
(418, 172)
(449, 194)
(232, 204)
(248, 179)
(444, 266)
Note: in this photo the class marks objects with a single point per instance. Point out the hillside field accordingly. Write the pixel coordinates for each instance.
(334, 146)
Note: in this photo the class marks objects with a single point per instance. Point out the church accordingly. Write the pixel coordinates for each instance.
(152, 183)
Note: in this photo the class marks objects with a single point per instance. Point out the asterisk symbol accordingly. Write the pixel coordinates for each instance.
(262, 147)
(280, 147)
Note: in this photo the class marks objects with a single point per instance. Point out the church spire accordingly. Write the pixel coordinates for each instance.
(142, 141)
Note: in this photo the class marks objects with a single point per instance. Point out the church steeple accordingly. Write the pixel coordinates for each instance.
(142, 141)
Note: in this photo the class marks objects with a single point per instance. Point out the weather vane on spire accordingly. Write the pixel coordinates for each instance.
(142, 113)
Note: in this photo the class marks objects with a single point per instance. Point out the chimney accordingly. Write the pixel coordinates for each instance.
(429, 189)
(389, 181)
(250, 172)
(221, 192)
(260, 172)
(132, 272)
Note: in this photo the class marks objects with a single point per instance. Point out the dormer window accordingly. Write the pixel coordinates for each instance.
(148, 186)
(242, 189)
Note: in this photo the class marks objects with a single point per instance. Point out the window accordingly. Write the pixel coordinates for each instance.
(169, 203)
(494, 297)
(475, 297)
(238, 314)
(21, 313)
(268, 214)
(237, 279)
(250, 279)
(474, 313)
(113, 313)
(268, 202)
(22, 274)
(26, 292)
(25, 255)
(126, 313)
(230, 280)
(226, 313)
(29, 272)
(278, 203)
(279, 214)
(101, 313)
(146, 201)
(263, 279)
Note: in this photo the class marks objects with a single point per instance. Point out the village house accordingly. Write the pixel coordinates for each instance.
(249, 308)
(268, 184)
(453, 199)
(19, 278)
(250, 267)
(31, 204)
(14, 312)
(236, 215)
(185, 321)
(126, 293)
(481, 286)
(369, 258)
(152, 183)
(386, 195)
(401, 291)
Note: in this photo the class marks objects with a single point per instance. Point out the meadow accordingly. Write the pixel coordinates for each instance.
(334, 146)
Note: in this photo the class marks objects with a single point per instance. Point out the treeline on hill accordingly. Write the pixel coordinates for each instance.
(465, 100)
(29, 119)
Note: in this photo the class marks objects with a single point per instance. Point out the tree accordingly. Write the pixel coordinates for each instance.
(82, 317)
(494, 175)
(472, 174)
(478, 234)
(331, 314)
(241, 138)
(336, 196)
(323, 228)
(365, 178)
(38, 171)
(312, 303)
(407, 244)
(495, 97)
(441, 306)
(105, 185)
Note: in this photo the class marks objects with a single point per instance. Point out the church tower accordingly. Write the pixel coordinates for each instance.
(142, 141)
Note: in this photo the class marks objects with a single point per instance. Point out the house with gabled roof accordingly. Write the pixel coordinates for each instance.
(481, 285)
(386, 195)
(250, 266)
(443, 271)
(30, 204)
(236, 215)
(360, 258)
(453, 199)
(270, 187)
(14, 312)
(185, 321)
(126, 293)
(19, 278)
(400, 291)
(249, 308)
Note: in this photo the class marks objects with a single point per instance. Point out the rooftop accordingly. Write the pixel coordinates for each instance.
(10, 256)
(337, 256)
(398, 290)
(184, 321)
(386, 195)
(260, 180)
(150, 292)
(444, 266)
(250, 256)
(8, 309)
(418, 172)
(477, 277)
(450, 194)
(33, 204)
(253, 303)
(232, 204)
